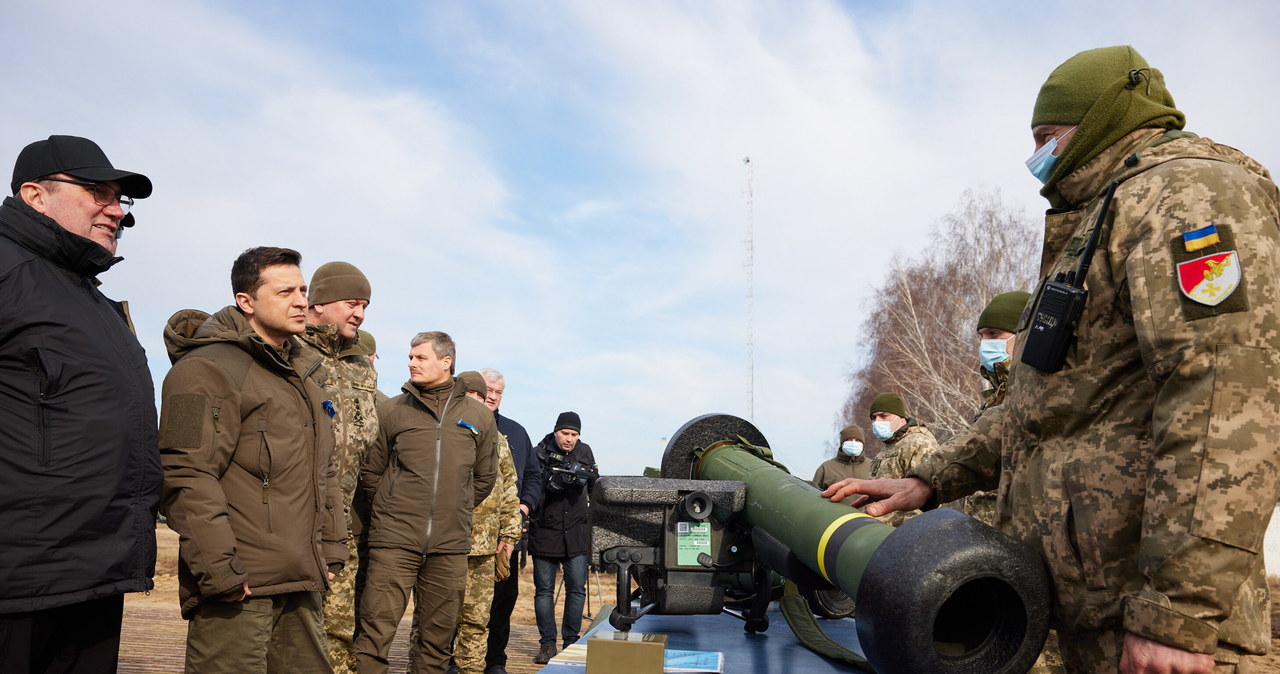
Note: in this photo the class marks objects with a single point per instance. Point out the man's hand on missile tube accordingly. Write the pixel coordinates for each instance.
(878, 497)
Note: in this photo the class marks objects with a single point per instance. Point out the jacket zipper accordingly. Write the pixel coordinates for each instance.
(435, 481)
(264, 451)
(42, 406)
(395, 466)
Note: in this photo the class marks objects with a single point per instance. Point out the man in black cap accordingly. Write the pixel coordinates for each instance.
(560, 535)
(79, 469)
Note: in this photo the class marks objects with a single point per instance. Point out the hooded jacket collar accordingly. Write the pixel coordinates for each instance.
(41, 235)
(191, 328)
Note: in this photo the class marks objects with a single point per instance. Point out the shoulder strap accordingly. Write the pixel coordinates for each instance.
(806, 628)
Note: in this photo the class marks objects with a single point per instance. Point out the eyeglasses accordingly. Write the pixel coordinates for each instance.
(103, 194)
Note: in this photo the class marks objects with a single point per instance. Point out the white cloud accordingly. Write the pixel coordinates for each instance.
(560, 185)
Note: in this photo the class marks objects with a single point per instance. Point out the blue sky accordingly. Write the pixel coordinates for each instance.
(560, 185)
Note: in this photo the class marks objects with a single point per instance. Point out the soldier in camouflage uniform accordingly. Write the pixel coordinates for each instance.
(907, 442)
(996, 326)
(495, 521)
(1145, 470)
(338, 296)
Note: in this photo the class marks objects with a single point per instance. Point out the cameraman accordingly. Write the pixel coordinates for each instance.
(560, 534)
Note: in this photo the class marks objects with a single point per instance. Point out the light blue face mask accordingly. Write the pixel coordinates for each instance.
(992, 351)
(882, 429)
(1041, 162)
(851, 448)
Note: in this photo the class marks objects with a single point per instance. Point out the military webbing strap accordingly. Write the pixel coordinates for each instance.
(806, 628)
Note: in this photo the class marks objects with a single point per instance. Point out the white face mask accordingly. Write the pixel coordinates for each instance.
(993, 351)
(851, 448)
(882, 429)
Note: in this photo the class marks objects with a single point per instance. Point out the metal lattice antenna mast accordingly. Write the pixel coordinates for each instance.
(751, 290)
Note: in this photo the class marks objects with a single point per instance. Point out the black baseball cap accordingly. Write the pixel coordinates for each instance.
(77, 157)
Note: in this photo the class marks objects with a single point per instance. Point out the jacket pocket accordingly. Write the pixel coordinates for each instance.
(46, 375)
(264, 469)
(1088, 522)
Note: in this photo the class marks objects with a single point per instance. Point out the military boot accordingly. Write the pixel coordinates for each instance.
(545, 653)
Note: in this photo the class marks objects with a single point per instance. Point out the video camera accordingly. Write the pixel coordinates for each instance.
(561, 472)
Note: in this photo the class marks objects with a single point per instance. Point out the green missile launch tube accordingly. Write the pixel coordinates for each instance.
(941, 593)
(831, 538)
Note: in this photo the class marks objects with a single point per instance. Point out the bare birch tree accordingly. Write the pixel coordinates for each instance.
(921, 327)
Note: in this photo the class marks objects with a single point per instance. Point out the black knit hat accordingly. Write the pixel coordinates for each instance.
(77, 157)
(569, 420)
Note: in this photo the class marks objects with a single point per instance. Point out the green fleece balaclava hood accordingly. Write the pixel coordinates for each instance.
(1109, 92)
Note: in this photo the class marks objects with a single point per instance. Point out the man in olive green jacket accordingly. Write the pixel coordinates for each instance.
(849, 460)
(430, 466)
(495, 530)
(248, 475)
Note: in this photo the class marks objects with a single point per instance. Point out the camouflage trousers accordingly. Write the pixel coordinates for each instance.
(471, 643)
(340, 615)
(1100, 651)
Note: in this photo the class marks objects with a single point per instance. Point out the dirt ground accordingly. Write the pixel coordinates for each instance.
(153, 649)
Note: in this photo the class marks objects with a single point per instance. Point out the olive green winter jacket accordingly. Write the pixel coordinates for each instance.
(247, 453)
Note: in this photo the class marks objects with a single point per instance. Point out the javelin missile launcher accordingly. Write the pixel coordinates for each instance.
(942, 593)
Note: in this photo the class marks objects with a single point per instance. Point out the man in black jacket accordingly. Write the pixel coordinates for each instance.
(79, 470)
(561, 534)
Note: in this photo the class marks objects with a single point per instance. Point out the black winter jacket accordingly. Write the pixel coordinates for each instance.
(561, 526)
(528, 470)
(79, 470)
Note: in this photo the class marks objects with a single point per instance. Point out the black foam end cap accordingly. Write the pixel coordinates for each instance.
(945, 593)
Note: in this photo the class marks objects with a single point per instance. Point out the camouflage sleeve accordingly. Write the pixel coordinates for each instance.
(334, 533)
(921, 445)
(969, 462)
(485, 471)
(509, 504)
(1211, 480)
(199, 425)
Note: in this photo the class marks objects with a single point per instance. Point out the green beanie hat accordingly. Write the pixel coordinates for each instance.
(367, 341)
(1109, 93)
(888, 402)
(1004, 310)
(852, 432)
(337, 281)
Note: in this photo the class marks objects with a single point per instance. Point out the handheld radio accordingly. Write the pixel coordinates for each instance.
(1057, 311)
